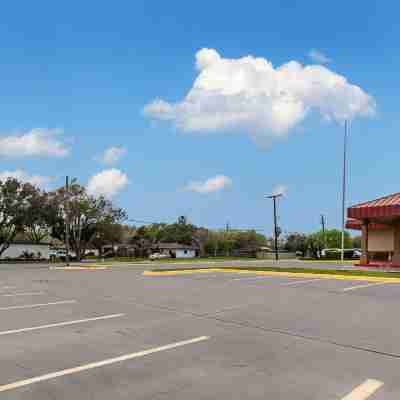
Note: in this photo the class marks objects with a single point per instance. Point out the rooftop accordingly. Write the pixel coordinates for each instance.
(174, 246)
(387, 206)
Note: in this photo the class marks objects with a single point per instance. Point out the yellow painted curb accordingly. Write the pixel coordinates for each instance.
(277, 273)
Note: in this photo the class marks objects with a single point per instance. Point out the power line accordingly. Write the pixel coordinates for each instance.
(227, 227)
(145, 222)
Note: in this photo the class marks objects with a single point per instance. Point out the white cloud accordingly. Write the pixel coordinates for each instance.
(36, 142)
(214, 184)
(36, 180)
(279, 189)
(248, 94)
(318, 57)
(107, 183)
(112, 155)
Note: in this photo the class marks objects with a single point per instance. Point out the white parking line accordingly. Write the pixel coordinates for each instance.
(365, 390)
(78, 321)
(23, 294)
(250, 277)
(305, 281)
(8, 287)
(55, 303)
(98, 364)
(363, 286)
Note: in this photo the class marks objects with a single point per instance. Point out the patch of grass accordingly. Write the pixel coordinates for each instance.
(166, 260)
(202, 259)
(114, 259)
(329, 260)
(295, 270)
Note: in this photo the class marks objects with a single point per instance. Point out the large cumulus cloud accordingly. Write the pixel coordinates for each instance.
(249, 94)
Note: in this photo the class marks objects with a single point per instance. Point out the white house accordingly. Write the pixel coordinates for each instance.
(20, 247)
(177, 250)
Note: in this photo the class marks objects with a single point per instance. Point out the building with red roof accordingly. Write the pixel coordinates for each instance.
(379, 222)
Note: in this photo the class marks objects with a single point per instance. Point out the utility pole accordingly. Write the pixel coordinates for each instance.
(274, 197)
(66, 208)
(323, 228)
(344, 186)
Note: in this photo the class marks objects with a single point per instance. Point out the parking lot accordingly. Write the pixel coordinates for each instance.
(118, 334)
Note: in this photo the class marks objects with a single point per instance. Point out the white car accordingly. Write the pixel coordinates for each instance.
(158, 256)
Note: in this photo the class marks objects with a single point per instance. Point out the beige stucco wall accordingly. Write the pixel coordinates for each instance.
(381, 240)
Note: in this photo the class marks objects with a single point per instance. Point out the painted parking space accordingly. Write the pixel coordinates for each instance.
(365, 390)
(37, 305)
(241, 345)
(323, 284)
(98, 364)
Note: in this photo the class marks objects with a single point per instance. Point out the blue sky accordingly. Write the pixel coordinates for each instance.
(75, 78)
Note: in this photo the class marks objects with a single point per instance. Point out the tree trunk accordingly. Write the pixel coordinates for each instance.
(3, 247)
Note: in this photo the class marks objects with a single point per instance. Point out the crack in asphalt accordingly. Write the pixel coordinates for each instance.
(319, 339)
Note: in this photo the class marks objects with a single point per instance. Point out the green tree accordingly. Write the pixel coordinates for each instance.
(315, 243)
(330, 239)
(178, 232)
(15, 207)
(296, 242)
(85, 215)
(107, 234)
(39, 219)
(333, 239)
(151, 233)
(227, 241)
(356, 242)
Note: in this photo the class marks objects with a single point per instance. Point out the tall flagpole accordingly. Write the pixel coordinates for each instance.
(344, 187)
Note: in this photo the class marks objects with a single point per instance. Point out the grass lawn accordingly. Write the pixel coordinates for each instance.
(168, 260)
(202, 259)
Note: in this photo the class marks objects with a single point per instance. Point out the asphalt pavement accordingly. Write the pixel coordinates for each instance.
(116, 334)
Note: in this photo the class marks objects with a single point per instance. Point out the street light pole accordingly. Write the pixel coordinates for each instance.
(274, 197)
(66, 220)
(344, 186)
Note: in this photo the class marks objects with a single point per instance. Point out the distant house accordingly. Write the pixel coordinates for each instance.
(27, 250)
(177, 250)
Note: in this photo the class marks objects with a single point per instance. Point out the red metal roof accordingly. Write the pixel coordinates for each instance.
(352, 223)
(387, 206)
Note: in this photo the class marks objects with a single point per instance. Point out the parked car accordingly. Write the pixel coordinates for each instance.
(61, 254)
(158, 256)
(57, 253)
(335, 254)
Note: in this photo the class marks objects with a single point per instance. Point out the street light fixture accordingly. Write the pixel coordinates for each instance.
(274, 197)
